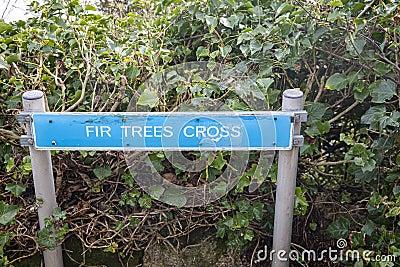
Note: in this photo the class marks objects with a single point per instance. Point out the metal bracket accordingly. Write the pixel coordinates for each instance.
(26, 140)
(300, 116)
(298, 140)
(24, 117)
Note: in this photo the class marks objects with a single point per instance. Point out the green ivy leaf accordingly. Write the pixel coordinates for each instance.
(368, 228)
(214, 55)
(300, 202)
(318, 128)
(336, 82)
(283, 8)
(360, 92)
(359, 161)
(220, 188)
(258, 210)
(248, 235)
(202, 52)
(7, 213)
(313, 226)
(174, 197)
(211, 22)
(145, 202)
(230, 22)
(381, 68)
(272, 95)
(59, 214)
(382, 90)
(148, 98)
(243, 182)
(362, 177)
(339, 228)
(265, 83)
(369, 165)
(255, 46)
(156, 191)
(5, 27)
(132, 72)
(229, 222)
(90, 7)
(10, 164)
(102, 172)
(377, 118)
(220, 229)
(16, 189)
(13, 59)
(225, 50)
(3, 63)
(226, 22)
(241, 220)
(134, 222)
(4, 238)
(112, 248)
(315, 111)
(260, 30)
(373, 114)
(356, 45)
(393, 212)
(318, 33)
(244, 206)
(335, 3)
(244, 37)
(47, 239)
(219, 161)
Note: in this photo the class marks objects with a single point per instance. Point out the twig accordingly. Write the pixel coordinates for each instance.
(320, 89)
(29, 255)
(86, 57)
(348, 60)
(254, 252)
(8, 134)
(366, 8)
(344, 112)
(310, 79)
(59, 82)
(328, 174)
(332, 163)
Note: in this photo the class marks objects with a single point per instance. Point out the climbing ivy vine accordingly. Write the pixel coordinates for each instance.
(344, 56)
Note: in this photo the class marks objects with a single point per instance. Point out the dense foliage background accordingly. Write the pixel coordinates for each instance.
(343, 54)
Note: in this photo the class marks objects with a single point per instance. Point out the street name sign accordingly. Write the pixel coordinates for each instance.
(263, 130)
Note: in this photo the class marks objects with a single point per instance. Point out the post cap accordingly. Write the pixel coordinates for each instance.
(293, 93)
(32, 95)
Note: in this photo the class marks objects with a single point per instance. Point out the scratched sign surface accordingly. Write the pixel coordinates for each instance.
(163, 131)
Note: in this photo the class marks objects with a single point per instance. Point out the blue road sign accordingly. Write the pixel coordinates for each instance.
(163, 131)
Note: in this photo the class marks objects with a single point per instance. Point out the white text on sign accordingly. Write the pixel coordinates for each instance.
(189, 131)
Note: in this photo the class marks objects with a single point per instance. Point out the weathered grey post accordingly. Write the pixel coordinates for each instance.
(33, 101)
(286, 186)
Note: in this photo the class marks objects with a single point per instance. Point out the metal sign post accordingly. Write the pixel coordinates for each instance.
(286, 186)
(255, 130)
(33, 101)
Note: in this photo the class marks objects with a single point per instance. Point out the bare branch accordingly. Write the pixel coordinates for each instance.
(344, 112)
